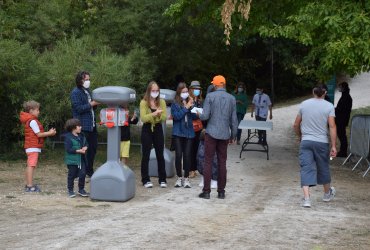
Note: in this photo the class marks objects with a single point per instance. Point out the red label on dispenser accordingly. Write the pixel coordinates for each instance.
(109, 114)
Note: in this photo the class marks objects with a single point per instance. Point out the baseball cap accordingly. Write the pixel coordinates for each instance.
(218, 80)
(195, 84)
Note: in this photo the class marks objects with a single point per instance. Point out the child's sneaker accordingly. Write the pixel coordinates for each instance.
(329, 196)
(178, 182)
(148, 184)
(163, 184)
(306, 202)
(187, 183)
(33, 189)
(83, 193)
(71, 194)
(213, 184)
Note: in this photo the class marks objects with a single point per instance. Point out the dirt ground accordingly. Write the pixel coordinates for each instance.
(261, 210)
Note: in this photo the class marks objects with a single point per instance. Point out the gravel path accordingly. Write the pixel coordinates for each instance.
(261, 210)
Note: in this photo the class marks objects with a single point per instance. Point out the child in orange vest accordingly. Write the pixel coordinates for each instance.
(34, 135)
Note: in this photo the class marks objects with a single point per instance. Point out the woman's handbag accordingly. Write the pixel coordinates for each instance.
(197, 125)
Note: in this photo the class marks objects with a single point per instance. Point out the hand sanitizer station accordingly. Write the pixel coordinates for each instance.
(113, 181)
(169, 96)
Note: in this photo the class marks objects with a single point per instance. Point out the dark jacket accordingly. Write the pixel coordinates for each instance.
(71, 144)
(81, 108)
(343, 109)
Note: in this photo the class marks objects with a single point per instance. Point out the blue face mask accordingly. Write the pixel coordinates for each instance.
(196, 92)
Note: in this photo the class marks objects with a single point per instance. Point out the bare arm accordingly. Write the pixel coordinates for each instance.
(297, 127)
(51, 132)
(333, 135)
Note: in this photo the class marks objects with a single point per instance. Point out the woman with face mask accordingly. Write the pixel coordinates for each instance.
(152, 114)
(241, 106)
(182, 133)
(195, 91)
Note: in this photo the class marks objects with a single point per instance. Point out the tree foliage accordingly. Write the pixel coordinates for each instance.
(335, 34)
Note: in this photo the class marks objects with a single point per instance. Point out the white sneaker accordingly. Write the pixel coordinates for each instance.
(201, 183)
(187, 183)
(306, 202)
(213, 184)
(148, 184)
(178, 182)
(163, 185)
(329, 196)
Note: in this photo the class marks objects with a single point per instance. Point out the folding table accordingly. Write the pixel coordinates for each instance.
(256, 125)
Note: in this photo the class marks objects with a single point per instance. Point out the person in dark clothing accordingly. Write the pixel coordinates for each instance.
(83, 109)
(126, 135)
(342, 115)
(76, 147)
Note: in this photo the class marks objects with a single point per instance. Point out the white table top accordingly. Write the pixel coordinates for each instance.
(250, 124)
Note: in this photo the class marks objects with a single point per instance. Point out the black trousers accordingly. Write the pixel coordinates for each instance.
(74, 172)
(183, 153)
(151, 138)
(196, 141)
(92, 140)
(261, 133)
(341, 132)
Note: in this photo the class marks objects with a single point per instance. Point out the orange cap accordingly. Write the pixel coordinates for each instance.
(219, 80)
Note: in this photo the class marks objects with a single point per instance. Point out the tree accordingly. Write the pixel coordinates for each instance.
(335, 34)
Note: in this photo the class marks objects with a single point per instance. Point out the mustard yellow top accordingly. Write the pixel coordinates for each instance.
(146, 114)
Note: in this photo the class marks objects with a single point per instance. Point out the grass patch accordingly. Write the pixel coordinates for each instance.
(10, 197)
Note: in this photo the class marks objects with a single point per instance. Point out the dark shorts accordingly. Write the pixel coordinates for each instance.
(314, 161)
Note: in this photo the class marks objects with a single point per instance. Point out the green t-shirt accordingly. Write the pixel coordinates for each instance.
(241, 107)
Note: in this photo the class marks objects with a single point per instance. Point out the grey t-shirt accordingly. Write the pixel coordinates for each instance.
(315, 113)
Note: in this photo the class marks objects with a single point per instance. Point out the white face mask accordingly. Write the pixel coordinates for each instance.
(184, 95)
(86, 84)
(154, 94)
(240, 90)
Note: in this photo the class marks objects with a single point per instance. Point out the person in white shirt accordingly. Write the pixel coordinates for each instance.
(261, 105)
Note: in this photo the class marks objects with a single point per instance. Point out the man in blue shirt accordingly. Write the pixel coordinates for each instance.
(261, 105)
(219, 109)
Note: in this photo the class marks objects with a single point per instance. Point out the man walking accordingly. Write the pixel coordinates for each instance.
(311, 126)
(261, 105)
(219, 109)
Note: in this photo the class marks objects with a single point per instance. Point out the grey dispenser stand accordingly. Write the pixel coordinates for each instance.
(113, 181)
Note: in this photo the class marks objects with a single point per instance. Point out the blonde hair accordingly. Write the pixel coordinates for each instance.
(28, 105)
(147, 94)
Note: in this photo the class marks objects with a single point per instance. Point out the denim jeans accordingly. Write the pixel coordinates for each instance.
(92, 141)
(74, 172)
(183, 153)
